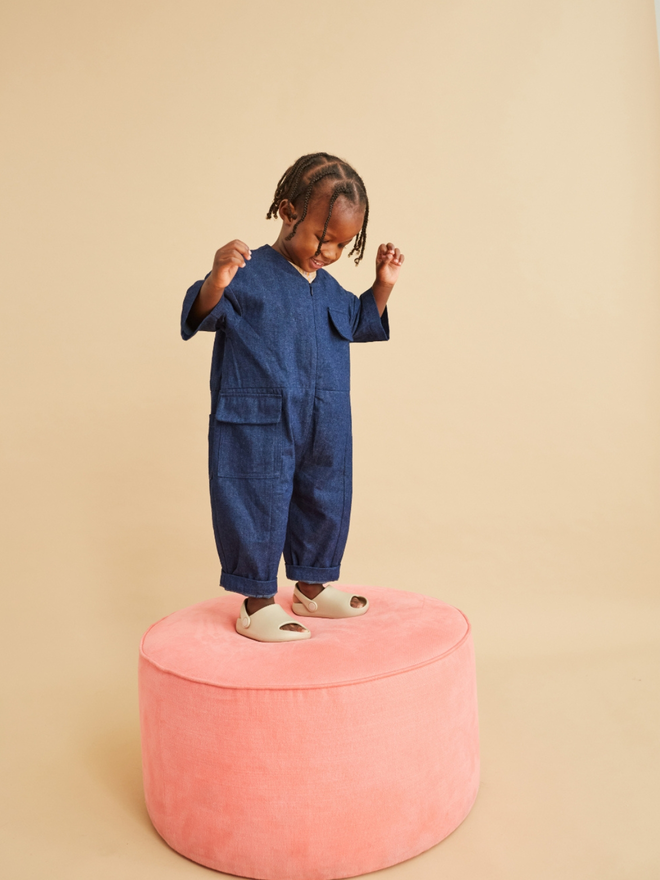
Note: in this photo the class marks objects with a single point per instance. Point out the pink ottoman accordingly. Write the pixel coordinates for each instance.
(325, 758)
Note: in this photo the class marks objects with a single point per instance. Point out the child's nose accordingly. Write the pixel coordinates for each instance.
(330, 253)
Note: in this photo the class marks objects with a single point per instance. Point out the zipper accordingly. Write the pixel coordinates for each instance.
(316, 358)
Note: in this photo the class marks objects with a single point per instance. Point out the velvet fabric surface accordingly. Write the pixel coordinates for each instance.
(318, 759)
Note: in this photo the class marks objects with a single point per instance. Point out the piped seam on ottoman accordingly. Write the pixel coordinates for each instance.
(304, 687)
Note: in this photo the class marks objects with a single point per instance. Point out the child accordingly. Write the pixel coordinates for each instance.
(280, 448)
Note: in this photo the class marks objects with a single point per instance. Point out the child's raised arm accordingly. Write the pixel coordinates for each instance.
(389, 260)
(226, 263)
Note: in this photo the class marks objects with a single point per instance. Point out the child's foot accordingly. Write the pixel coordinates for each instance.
(312, 591)
(253, 605)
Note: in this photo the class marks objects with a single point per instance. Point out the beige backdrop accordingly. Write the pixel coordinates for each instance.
(507, 448)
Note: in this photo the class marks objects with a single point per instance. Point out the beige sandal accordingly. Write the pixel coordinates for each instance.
(330, 602)
(265, 625)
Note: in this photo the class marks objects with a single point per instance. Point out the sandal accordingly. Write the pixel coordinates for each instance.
(330, 602)
(265, 625)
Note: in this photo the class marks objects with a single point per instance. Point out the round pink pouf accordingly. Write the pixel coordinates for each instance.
(319, 759)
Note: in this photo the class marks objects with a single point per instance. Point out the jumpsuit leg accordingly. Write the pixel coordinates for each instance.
(284, 486)
(250, 475)
(320, 506)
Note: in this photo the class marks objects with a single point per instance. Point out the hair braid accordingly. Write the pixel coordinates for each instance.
(302, 178)
(338, 189)
(361, 237)
(288, 182)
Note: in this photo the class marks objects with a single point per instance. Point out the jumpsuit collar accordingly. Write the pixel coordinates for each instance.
(278, 258)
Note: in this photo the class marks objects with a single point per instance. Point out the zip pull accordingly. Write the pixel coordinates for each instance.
(311, 291)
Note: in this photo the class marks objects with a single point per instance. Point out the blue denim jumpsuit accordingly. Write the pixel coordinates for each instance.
(280, 449)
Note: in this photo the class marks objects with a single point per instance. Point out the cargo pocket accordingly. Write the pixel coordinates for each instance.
(341, 323)
(250, 441)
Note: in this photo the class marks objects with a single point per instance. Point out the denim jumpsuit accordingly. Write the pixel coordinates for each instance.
(280, 449)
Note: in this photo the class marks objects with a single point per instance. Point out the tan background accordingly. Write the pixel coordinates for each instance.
(507, 438)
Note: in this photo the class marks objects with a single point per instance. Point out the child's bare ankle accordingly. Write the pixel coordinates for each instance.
(309, 590)
(253, 604)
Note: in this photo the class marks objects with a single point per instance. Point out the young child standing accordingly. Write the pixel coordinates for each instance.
(280, 451)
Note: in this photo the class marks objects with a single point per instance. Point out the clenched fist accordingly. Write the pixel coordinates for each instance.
(226, 263)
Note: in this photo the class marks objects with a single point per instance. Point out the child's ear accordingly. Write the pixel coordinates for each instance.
(287, 212)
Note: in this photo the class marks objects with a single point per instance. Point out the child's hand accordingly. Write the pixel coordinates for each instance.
(226, 263)
(389, 260)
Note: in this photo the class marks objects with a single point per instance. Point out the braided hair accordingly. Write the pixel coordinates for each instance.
(300, 181)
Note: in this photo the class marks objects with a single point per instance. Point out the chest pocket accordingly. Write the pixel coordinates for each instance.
(340, 322)
(250, 441)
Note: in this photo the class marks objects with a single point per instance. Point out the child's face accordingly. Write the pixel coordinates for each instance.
(344, 225)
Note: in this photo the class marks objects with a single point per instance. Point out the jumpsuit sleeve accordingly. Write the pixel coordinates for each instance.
(215, 317)
(368, 325)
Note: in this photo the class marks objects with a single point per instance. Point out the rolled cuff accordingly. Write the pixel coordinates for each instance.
(210, 322)
(371, 327)
(310, 575)
(248, 587)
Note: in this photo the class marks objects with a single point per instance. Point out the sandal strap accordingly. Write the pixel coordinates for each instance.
(309, 604)
(245, 617)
